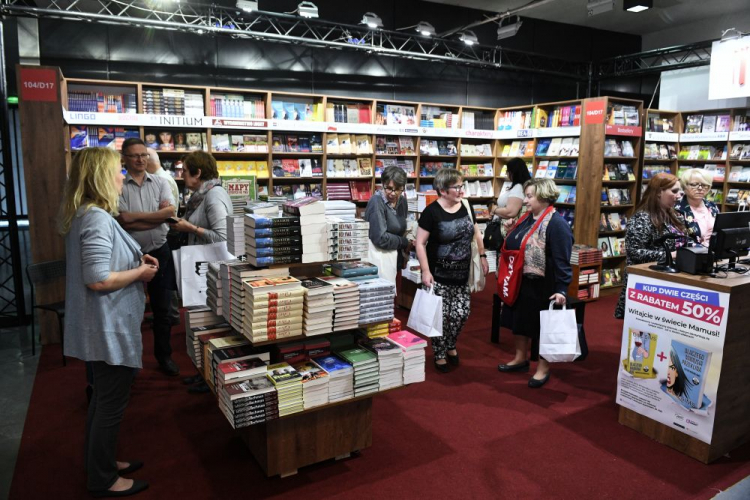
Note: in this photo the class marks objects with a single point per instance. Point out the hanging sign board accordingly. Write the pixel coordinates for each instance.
(38, 84)
(594, 113)
(729, 75)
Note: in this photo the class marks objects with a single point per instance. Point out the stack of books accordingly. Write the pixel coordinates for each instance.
(584, 254)
(262, 208)
(346, 300)
(394, 326)
(214, 288)
(338, 191)
(211, 349)
(340, 209)
(249, 402)
(311, 213)
(314, 384)
(340, 377)
(319, 307)
(355, 271)
(376, 301)
(377, 330)
(288, 382)
(347, 240)
(413, 349)
(366, 370)
(272, 240)
(390, 361)
(233, 276)
(273, 309)
(236, 235)
(239, 368)
(201, 322)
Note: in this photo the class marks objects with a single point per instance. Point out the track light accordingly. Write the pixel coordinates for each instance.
(468, 37)
(595, 7)
(425, 29)
(247, 5)
(307, 9)
(637, 5)
(372, 20)
(509, 30)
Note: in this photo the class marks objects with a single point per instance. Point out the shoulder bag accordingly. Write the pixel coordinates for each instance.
(476, 274)
(510, 269)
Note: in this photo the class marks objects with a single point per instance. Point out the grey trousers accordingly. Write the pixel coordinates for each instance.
(111, 394)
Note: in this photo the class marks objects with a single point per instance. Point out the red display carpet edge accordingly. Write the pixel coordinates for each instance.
(473, 432)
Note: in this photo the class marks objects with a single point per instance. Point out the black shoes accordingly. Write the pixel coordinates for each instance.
(536, 384)
(452, 360)
(444, 368)
(519, 367)
(169, 367)
(134, 466)
(192, 380)
(200, 388)
(137, 487)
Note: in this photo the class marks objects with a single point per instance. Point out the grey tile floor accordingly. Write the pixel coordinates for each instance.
(17, 372)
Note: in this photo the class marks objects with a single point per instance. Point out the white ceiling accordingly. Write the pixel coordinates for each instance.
(666, 14)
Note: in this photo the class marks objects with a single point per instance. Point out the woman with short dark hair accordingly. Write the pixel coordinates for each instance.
(206, 218)
(386, 212)
(446, 228)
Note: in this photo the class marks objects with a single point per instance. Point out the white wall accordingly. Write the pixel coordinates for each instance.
(687, 90)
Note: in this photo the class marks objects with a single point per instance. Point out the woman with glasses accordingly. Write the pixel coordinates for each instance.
(546, 275)
(386, 213)
(698, 212)
(655, 216)
(446, 228)
(510, 202)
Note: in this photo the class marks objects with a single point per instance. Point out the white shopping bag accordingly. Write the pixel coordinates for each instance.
(386, 260)
(558, 336)
(426, 316)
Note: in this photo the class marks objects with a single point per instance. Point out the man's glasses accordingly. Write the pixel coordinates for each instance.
(457, 188)
(391, 190)
(143, 156)
(698, 185)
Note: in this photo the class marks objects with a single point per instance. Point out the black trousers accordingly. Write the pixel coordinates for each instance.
(160, 296)
(111, 394)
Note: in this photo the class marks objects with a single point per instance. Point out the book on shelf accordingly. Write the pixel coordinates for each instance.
(694, 124)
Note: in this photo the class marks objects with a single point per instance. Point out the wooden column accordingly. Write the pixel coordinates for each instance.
(590, 167)
(45, 162)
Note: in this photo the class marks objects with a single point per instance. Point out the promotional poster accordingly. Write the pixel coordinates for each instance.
(671, 354)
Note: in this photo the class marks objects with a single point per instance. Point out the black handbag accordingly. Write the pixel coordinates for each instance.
(493, 236)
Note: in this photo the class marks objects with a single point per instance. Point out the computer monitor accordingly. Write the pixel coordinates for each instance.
(731, 236)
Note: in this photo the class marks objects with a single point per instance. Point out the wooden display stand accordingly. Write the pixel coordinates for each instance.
(732, 406)
(335, 430)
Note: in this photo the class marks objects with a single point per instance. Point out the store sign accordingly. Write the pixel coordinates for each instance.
(625, 130)
(594, 112)
(671, 353)
(38, 85)
(705, 137)
(729, 75)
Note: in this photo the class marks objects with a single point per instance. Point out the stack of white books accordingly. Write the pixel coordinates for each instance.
(413, 348)
(236, 235)
(340, 377)
(319, 307)
(376, 301)
(347, 239)
(314, 384)
(340, 209)
(311, 213)
(346, 301)
(273, 308)
(390, 361)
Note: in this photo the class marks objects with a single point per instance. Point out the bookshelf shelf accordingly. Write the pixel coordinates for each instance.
(319, 179)
(294, 154)
(226, 154)
(617, 183)
(617, 207)
(621, 158)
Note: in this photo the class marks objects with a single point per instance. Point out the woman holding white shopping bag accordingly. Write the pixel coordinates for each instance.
(545, 242)
(386, 212)
(446, 229)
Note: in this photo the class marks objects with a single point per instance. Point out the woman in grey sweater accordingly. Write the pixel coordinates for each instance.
(386, 213)
(206, 218)
(104, 303)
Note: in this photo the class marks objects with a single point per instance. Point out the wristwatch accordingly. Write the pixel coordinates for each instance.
(483, 255)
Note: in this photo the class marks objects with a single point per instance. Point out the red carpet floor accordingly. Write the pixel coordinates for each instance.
(474, 433)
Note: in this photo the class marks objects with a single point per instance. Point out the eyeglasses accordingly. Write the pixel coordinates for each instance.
(698, 185)
(391, 190)
(143, 156)
(457, 188)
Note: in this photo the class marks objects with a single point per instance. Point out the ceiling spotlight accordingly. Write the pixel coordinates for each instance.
(595, 7)
(637, 5)
(247, 5)
(372, 20)
(425, 29)
(509, 30)
(468, 37)
(307, 9)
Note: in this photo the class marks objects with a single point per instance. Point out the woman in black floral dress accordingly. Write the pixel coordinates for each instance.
(654, 216)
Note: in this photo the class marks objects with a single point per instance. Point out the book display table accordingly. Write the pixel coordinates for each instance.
(683, 374)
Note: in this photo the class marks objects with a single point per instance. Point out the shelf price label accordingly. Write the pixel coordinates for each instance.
(38, 84)
(743, 135)
(526, 132)
(662, 136)
(709, 136)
